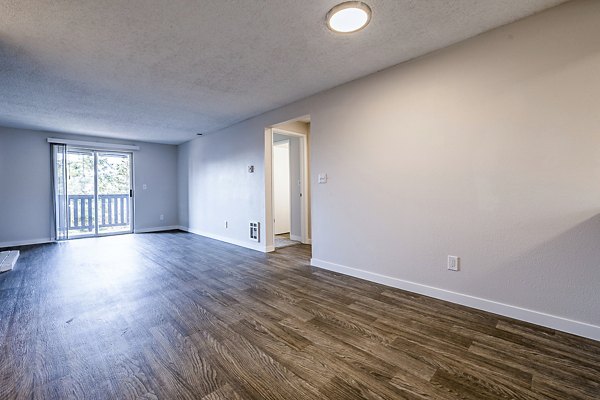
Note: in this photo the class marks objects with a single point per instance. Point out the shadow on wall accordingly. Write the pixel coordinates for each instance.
(572, 260)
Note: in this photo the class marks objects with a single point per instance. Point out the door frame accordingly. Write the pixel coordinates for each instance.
(95, 151)
(304, 177)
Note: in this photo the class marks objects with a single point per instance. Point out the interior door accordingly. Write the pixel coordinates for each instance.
(114, 193)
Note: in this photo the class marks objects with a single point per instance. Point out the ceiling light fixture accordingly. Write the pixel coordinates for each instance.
(348, 17)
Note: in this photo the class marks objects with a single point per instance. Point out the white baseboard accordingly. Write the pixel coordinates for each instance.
(249, 245)
(156, 229)
(49, 240)
(25, 242)
(523, 314)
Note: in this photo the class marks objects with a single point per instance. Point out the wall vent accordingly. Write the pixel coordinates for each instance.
(255, 231)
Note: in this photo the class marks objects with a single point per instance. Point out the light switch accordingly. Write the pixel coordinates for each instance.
(322, 178)
(144, 186)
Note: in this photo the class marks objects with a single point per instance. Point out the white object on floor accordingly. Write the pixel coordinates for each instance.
(8, 259)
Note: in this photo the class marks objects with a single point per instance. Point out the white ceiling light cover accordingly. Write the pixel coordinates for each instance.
(162, 71)
(349, 17)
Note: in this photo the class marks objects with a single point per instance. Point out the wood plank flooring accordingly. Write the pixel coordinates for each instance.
(174, 315)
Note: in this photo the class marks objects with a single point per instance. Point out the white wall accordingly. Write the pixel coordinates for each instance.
(489, 150)
(215, 185)
(26, 194)
(282, 212)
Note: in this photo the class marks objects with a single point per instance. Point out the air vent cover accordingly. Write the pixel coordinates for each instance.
(255, 231)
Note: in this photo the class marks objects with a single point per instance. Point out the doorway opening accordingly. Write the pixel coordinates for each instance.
(282, 193)
(97, 194)
(287, 182)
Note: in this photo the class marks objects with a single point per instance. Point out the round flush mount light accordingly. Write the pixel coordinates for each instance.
(348, 17)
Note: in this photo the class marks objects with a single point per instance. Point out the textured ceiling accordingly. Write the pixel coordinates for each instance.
(161, 71)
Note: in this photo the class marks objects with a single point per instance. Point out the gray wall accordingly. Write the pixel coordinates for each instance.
(295, 188)
(25, 185)
(215, 185)
(488, 150)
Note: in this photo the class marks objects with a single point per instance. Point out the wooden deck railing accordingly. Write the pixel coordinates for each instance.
(113, 210)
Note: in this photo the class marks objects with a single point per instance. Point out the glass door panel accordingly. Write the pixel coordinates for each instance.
(114, 196)
(81, 193)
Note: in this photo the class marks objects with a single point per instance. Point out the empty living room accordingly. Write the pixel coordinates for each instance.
(283, 199)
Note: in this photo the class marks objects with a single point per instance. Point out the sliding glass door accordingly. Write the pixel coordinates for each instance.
(81, 193)
(93, 192)
(114, 192)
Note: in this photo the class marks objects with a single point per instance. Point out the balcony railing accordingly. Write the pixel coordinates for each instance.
(113, 211)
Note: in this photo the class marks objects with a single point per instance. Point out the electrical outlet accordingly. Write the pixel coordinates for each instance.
(453, 263)
(162, 217)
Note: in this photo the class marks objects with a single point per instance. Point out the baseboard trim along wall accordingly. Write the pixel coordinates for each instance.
(49, 240)
(25, 242)
(157, 229)
(531, 316)
(252, 246)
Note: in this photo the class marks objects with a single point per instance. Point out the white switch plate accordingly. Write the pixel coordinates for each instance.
(144, 186)
(453, 263)
(322, 178)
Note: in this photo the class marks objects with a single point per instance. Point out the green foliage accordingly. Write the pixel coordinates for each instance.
(113, 173)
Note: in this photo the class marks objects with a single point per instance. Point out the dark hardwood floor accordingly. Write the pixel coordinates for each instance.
(175, 315)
